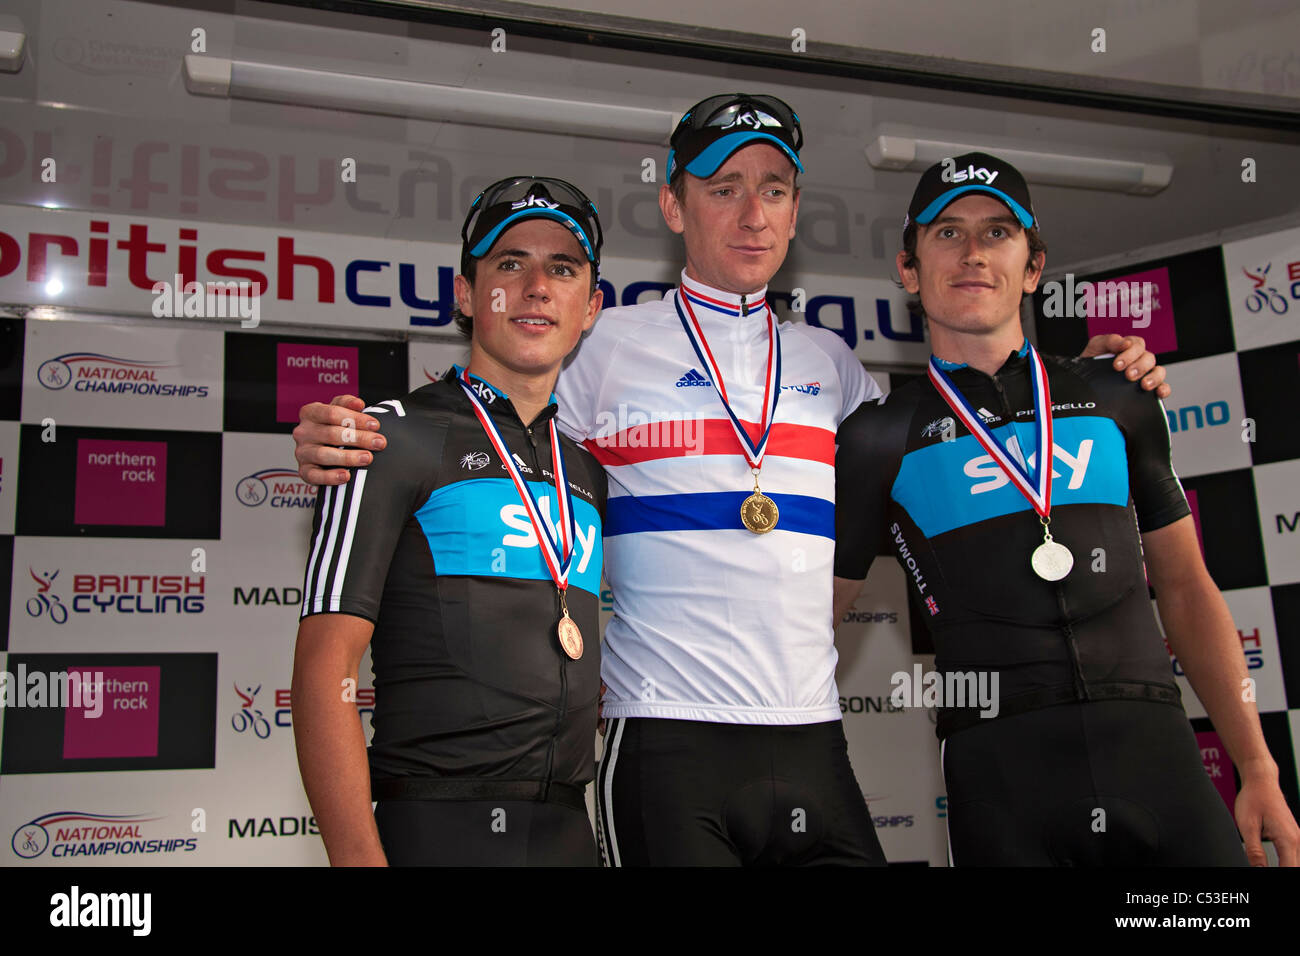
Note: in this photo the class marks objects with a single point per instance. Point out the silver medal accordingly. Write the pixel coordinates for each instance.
(1051, 560)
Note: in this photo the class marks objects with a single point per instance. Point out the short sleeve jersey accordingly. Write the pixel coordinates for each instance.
(711, 621)
(913, 482)
(432, 543)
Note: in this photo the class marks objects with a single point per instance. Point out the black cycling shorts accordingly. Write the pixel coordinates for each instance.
(484, 833)
(695, 793)
(1102, 783)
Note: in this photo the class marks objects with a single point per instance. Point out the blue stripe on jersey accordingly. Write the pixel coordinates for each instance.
(713, 511)
(479, 527)
(953, 484)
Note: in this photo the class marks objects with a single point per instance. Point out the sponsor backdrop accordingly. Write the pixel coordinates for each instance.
(153, 525)
(1226, 324)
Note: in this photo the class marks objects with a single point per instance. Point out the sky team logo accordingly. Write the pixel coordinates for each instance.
(88, 834)
(754, 119)
(281, 487)
(94, 372)
(534, 201)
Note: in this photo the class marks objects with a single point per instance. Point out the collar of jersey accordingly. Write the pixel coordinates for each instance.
(953, 366)
(703, 296)
(456, 371)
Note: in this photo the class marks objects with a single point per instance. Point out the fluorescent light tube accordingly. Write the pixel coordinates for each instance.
(12, 46)
(240, 79)
(1053, 169)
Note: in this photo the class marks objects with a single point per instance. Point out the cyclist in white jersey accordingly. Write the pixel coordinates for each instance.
(717, 429)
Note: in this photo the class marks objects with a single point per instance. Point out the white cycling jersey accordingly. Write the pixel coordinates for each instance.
(711, 621)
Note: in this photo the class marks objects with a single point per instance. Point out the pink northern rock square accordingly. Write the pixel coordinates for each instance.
(1215, 757)
(127, 725)
(312, 373)
(1160, 334)
(121, 482)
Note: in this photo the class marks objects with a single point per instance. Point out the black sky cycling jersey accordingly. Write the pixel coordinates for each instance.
(964, 534)
(433, 545)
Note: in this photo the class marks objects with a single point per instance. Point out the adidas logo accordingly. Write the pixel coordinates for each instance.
(692, 378)
(519, 463)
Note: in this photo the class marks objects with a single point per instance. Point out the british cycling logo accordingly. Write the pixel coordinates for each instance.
(282, 487)
(249, 717)
(1263, 294)
(94, 372)
(475, 460)
(46, 601)
(118, 593)
(92, 834)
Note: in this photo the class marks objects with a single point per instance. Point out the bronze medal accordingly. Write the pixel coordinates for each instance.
(759, 513)
(570, 637)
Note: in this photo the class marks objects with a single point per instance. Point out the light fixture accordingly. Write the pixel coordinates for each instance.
(1052, 169)
(295, 86)
(54, 287)
(12, 45)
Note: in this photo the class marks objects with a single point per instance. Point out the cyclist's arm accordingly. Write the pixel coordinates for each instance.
(846, 592)
(330, 741)
(862, 468)
(1202, 635)
(1197, 621)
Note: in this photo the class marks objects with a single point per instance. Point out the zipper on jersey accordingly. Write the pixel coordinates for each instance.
(1080, 685)
(1071, 646)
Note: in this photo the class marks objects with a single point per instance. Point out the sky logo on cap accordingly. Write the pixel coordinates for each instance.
(534, 201)
(951, 174)
(756, 119)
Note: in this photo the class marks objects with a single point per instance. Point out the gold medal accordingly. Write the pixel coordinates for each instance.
(758, 512)
(570, 637)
